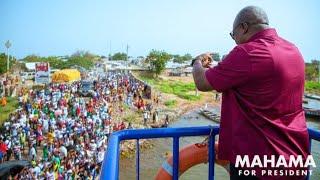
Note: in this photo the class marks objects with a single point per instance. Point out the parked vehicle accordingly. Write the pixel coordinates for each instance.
(27, 75)
(86, 88)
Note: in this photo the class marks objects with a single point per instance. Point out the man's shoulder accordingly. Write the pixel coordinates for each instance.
(265, 43)
(254, 47)
(258, 49)
(284, 41)
(237, 54)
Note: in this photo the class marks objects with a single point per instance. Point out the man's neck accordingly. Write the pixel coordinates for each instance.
(256, 30)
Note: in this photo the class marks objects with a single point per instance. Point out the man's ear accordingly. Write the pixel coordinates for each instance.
(245, 27)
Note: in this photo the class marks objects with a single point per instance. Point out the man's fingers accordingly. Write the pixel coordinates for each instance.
(205, 57)
(208, 55)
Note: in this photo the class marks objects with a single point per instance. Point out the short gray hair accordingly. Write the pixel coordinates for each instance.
(251, 14)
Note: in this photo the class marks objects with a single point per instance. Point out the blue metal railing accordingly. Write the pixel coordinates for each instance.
(110, 167)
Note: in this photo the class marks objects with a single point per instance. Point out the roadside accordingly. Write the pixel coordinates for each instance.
(11, 106)
(312, 87)
(178, 96)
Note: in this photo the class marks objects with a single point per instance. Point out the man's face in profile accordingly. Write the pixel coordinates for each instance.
(237, 33)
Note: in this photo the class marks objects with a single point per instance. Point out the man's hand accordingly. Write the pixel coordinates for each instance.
(200, 65)
(205, 59)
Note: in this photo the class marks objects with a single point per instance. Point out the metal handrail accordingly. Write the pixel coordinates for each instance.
(110, 167)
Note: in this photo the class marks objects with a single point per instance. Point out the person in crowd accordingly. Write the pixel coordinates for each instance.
(145, 117)
(3, 149)
(70, 132)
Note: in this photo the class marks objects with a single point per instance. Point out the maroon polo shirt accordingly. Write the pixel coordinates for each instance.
(262, 85)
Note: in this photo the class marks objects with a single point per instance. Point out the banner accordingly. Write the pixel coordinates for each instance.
(42, 75)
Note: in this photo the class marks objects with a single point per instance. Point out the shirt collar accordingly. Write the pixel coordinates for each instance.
(271, 32)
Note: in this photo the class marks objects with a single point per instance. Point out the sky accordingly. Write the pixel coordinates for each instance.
(61, 27)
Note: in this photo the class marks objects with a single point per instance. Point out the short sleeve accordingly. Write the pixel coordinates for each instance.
(233, 71)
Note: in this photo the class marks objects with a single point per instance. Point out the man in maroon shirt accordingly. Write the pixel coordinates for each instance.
(262, 84)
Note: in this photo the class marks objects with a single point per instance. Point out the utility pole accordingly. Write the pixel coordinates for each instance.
(127, 52)
(110, 54)
(319, 71)
(8, 45)
(127, 57)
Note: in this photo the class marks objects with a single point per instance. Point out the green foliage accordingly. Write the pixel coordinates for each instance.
(312, 84)
(54, 62)
(12, 105)
(181, 89)
(216, 56)
(312, 87)
(82, 61)
(79, 59)
(170, 103)
(158, 60)
(3, 62)
(119, 56)
(312, 70)
(85, 54)
(181, 59)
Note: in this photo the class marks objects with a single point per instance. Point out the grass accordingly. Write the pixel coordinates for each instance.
(132, 118)
(12, 105)
(312, 87)
(171, 103)
(181, 89)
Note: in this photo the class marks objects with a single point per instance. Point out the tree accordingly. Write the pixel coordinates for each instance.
(84, 62)
(181, 59)
(83, 53)
(54, 62)
(187, 57)
(80, 58)
(3, 62)
(158, 60)
(32, 58)
(119, 56)
(216, 56)
(312, 70)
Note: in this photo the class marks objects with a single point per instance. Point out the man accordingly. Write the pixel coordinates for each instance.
(145, 117)
(33, 152)
(262, 84)
(10, 147)
(3, 149)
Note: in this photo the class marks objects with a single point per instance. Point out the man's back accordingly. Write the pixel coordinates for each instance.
(276, 84)
(262, 83)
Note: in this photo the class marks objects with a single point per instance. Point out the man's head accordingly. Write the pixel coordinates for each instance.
(248, 22)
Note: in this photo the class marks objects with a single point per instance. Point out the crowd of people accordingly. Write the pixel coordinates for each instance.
(63, 134)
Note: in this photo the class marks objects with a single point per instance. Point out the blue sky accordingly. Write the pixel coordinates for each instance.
(61, 27)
